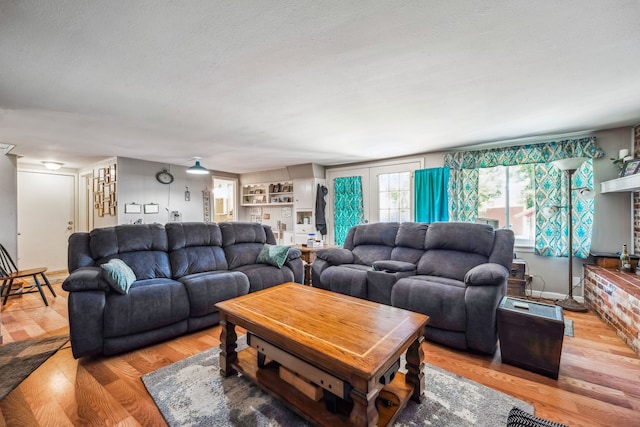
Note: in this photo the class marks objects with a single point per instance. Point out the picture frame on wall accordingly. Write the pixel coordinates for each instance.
(151, 208)
(132, 208)
(630, 167)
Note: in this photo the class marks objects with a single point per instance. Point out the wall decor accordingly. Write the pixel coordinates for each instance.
(104, 191)
(132, 208)
(630, 167)
(151, 208)
(206, 204)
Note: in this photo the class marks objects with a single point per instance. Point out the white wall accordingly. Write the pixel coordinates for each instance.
(9, 204)
(137, 184)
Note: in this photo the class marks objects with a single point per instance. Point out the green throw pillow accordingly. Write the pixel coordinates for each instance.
(119, 275)
(273, 254)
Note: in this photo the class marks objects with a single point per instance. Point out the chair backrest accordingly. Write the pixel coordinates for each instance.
(7, 266)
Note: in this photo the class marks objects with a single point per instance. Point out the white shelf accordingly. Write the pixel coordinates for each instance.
(619, 185)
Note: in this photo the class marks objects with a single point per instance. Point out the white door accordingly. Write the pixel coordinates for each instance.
(45, 219)
(392, 192)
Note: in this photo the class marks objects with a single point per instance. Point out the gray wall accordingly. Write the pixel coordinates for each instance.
(137, 184)
(9, 204)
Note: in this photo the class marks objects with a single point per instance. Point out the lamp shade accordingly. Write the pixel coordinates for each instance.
(197, 169)
(570, 163)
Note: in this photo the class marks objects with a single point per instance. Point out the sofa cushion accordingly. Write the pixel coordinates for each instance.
(461, 236)
(263, 276)
(234, 233)
(382, 233)
(348, 279)
(368, 254)
(192, 234)
(412, 235)
(118, 274)
(109, 241)
(440, 298)
(143, 247)
(447, 263)
(207, 289)
(273, 255)
(150, 304)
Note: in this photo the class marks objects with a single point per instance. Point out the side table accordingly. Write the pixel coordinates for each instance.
(308, 255)
(531, 335)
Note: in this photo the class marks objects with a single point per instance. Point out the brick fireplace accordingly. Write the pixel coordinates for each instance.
(615, 296)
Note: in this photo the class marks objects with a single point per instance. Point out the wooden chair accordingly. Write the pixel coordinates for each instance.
(9, 273)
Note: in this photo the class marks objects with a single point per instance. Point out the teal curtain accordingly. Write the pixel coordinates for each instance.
(552, 231)
(551, 234)
(431, 195)
(348, 206)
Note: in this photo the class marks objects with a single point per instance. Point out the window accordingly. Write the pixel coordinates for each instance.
(506, 194)
(394, 193)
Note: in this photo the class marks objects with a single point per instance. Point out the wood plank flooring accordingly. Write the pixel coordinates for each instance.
(599, 383)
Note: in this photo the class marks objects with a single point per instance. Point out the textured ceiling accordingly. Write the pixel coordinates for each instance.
(255, 85)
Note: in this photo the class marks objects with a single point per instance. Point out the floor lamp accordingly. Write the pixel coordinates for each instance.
(569, 166)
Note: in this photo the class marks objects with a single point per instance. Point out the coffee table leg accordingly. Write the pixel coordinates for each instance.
(228, 355)
(364, 412)
(415, 368)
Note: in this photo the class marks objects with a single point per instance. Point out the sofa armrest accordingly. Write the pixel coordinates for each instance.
(391, 266)
(86, 279)
(335, 256)
(293, 254)
(489, 274)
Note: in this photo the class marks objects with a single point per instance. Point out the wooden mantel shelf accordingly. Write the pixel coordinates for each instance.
(619, 185)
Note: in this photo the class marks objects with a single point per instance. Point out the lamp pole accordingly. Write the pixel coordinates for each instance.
(569, 303)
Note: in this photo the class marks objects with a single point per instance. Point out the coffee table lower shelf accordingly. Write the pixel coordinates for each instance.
(268, 379)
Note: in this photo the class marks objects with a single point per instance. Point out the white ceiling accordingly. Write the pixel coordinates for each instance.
(254, 85)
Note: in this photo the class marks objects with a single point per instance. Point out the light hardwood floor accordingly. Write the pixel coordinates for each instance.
(599, 383)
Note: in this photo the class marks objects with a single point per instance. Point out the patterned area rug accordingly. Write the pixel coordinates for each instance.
(568, 327)
(192, 393)
(19, 359)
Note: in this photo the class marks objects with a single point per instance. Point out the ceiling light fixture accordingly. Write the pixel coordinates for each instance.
(52, 166)
(197, 169)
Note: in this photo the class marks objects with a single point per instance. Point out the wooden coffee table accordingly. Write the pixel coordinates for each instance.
(346, 348)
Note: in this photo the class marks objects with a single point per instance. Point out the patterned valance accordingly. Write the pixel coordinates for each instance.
(543, 152)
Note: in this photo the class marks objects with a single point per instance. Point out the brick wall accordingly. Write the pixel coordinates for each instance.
(636, 195)
(615, 297)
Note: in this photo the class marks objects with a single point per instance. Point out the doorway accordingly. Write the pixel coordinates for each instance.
(224, 199)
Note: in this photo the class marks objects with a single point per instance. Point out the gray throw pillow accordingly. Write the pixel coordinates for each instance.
(119, 275)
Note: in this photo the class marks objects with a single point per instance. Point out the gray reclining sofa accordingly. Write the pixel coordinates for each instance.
(181, 271)
(454, 272)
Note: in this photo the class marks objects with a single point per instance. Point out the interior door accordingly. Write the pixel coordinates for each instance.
(46, 219)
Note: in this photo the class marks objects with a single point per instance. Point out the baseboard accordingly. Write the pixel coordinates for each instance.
(552, 296)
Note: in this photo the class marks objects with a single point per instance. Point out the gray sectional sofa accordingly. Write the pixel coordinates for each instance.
(181, 270)
(454, 272)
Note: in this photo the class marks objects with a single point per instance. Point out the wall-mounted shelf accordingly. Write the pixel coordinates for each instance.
(280, 193)
(619, 185)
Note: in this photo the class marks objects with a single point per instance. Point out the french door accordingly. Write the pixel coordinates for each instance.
(387, 192)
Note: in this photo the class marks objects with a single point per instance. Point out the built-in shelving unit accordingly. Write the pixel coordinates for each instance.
(619, 185)
(277, 193)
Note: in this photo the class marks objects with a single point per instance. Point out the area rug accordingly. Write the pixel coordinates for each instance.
(568, 327)
(19, 359)
(192, 393)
